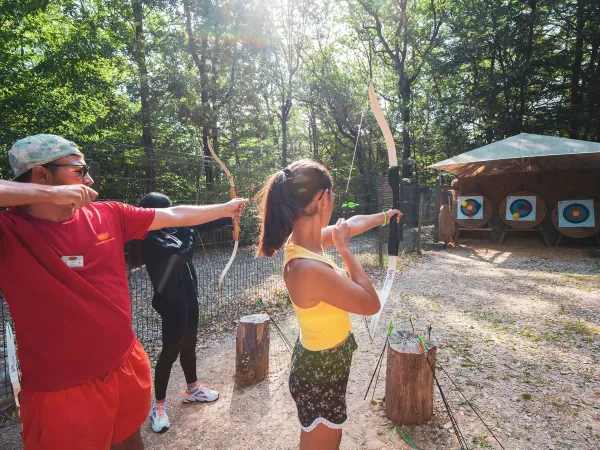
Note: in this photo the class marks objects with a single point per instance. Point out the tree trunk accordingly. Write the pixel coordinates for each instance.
(313, 131)
(285, 111)
(593, 77)
(139, 54)
(212, 94)
(576, 72)
(283, 142)
(405, 110)
(525, 70)
(200, 62)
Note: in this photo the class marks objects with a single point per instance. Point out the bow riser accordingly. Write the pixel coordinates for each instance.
(394, 182)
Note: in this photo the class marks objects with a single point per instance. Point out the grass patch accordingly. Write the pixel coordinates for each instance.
(482, 441)
(579, 327)
(406, 437)
(594, 253)
(526, 396)
(471, 400)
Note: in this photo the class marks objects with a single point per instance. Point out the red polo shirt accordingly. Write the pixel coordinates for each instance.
(67, 291)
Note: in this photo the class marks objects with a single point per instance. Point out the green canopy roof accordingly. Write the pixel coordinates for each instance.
(524, 153)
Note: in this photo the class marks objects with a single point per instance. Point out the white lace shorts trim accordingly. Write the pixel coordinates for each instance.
(323, 421)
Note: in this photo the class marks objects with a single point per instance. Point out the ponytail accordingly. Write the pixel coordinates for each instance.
(283, 200)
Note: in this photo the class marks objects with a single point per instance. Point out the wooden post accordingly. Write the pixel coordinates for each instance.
(252, 349)
(437, 195)
(409, 380)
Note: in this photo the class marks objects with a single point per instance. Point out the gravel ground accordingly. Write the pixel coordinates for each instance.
(517, 328)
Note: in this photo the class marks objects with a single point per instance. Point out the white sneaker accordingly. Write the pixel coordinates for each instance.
(201, 394)
(160, 420)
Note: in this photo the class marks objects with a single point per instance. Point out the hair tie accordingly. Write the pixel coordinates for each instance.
(288, 173)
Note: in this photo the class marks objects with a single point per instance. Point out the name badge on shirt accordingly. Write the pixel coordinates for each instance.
(73, 261)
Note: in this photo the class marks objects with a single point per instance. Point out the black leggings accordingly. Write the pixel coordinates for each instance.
(179, 335)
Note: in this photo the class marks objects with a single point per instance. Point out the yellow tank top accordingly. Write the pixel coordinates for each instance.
(323, 326)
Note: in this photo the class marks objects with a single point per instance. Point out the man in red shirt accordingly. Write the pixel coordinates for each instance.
(86, 378)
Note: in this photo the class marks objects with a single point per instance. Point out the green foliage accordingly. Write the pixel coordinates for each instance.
(474, 72)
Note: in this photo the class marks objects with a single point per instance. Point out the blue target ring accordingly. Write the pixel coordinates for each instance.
(470, 207)
(520, 208)
(576, 213)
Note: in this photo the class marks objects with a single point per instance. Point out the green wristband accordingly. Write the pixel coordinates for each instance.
(384, 219)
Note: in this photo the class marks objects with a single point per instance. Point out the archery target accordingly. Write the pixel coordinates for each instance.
(521, 208)
(470, 208)
(576, 214)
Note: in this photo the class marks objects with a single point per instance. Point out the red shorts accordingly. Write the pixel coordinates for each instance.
(94, 415)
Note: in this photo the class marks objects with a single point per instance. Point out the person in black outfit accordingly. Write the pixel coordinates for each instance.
(167, 254)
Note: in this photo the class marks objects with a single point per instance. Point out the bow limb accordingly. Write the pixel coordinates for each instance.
(393, 181)
(236, 220)
(13, 366)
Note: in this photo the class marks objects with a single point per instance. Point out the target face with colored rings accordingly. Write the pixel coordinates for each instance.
(470, 207)
(576, 213)
(520, 208)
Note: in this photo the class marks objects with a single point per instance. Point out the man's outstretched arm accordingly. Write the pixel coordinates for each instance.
(188, 216)
(13, 193)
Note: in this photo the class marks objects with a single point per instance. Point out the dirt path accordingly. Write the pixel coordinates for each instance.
(518, 330)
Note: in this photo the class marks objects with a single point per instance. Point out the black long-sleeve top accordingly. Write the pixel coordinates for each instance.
(167, 254)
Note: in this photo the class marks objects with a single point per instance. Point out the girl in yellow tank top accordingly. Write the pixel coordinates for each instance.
(296, 207)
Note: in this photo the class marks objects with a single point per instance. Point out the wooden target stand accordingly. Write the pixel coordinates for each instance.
(476, 224)
(520, 225)
(409, 381)
(578, 232)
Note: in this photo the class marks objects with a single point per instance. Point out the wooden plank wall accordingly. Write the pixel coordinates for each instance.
(550, 186)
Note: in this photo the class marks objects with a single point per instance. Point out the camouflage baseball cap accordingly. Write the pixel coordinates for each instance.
(37, 150)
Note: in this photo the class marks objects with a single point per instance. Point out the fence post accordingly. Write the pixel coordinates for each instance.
(95, 174)
(380, 245)
(420, 222)
(437, 202)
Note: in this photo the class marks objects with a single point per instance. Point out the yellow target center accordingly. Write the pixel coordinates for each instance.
(516, 215)
(470, 207)
(576, 213)
(464, 203)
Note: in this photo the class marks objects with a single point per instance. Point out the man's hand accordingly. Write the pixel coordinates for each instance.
(235, 207)
(75, 196)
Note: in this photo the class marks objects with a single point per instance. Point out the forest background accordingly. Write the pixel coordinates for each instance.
(143, 85)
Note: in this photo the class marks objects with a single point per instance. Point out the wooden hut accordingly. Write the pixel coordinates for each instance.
(553, 169)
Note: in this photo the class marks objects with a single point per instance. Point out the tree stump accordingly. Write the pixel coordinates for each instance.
(252, 349)
(409, 380)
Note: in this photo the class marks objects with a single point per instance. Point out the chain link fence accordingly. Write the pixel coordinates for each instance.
(250, 277)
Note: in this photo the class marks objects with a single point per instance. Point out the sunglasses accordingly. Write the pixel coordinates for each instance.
(84, 171)
(325, 190)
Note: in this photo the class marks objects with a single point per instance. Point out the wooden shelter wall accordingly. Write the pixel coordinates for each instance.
(550, 186)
